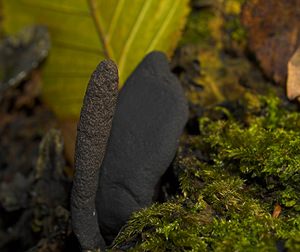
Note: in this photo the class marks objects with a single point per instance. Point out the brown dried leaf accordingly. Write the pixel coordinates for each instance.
(293, 80)
(274, 34)
(277, 211)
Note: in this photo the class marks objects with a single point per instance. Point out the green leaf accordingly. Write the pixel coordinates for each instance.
(84, 32)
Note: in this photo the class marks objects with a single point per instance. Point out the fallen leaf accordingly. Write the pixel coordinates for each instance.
(85, 32)
(274, 34)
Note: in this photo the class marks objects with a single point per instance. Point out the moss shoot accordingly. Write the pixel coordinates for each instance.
(239, 185)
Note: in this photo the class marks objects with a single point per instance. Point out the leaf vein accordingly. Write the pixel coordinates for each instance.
(163, 27)
(107, 50)
(132, 34)
(115, 18)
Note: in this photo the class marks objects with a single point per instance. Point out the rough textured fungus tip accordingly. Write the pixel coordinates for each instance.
(92, 135)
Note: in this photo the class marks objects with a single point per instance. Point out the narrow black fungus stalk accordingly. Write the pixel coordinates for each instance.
(92, 135)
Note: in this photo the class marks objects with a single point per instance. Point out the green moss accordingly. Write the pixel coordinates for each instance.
(217, 33)
(249, 164)
(197, 29)
(234, 31)
(215, 24)
(268, 150)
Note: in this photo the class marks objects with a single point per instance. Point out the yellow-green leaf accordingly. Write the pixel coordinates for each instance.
(84, 32)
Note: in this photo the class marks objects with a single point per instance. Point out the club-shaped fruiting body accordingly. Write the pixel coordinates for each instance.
(92, 135)
(117, 176)
(149, 119)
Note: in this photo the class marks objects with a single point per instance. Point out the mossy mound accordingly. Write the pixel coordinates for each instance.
(239, 185)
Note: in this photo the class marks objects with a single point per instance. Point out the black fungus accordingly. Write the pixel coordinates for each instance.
(150, 116)
(92, 135)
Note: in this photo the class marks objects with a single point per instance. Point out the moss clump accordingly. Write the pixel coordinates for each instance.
(198, 28)
(214, 29)
(235, 33)
(266, 150)
(239, 186)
